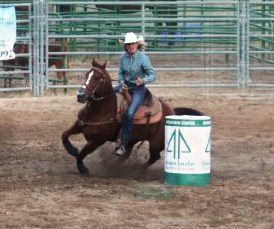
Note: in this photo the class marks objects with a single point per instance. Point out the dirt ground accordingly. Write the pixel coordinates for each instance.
(41, 188)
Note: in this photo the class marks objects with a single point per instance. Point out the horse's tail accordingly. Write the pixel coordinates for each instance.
(187, 111)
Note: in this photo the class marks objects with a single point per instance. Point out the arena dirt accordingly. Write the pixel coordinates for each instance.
(41, 188)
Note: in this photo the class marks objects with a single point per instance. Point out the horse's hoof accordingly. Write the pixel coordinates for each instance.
(82, 168)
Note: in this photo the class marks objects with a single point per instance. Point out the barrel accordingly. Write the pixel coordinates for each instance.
(187, 150)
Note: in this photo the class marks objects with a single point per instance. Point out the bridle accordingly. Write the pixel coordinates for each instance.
(92, 93)
(92, 96)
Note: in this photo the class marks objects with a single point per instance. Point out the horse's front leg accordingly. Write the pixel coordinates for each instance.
(75, 129)
(88, 148)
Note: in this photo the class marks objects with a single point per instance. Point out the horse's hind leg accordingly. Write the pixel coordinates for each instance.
(88, 148)
(65, 139)
(154, 155)
(154, 151)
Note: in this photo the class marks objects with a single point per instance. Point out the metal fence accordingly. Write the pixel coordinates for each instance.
(198, 43)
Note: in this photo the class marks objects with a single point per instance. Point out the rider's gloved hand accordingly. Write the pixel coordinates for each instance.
(139, 81)
(123, 88)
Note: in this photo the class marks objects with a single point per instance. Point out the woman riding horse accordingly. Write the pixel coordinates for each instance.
(135, 70)
(98, 120)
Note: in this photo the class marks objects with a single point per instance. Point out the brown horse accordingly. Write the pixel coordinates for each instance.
(97, 120)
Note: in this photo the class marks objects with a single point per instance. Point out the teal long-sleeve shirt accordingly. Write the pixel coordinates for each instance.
(130, 67)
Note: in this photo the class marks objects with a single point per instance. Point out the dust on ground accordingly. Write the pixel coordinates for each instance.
(41, 188)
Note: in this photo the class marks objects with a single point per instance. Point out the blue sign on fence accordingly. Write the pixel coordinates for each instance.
(7, 32)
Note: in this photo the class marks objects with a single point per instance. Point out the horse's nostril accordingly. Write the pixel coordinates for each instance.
(80, 97)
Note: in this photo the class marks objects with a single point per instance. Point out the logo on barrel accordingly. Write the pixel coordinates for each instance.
(177, 144)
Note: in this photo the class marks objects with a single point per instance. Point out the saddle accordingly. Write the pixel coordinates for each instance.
(147, 113)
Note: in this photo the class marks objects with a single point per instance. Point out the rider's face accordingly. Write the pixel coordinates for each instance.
(131, 48)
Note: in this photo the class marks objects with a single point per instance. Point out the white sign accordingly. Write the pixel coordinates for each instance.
(7, 32)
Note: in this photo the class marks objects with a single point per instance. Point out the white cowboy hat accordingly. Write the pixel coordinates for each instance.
(130, 38)
(141, 40)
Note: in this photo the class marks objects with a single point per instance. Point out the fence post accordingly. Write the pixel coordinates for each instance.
(42, 47)
(143, 19)
(35, 73)
(243, 43)
(46, 18)
(38, 48)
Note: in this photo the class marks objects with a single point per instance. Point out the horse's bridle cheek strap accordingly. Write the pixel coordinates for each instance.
(100, 81)
(91, 92)
(87, 87)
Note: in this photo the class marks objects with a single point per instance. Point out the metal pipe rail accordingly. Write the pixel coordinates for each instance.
(167, 85)
(186, 2)
(155, 19)
(15, 72)
(15, 4)
(147, 52)
(148, 19)
(158, 36)
(156, 69)
(14, 89)
(177, 3)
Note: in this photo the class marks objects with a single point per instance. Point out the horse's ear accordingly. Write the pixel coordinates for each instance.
(93, 62)
(104, 65)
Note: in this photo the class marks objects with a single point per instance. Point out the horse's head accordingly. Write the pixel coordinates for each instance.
(97, 85)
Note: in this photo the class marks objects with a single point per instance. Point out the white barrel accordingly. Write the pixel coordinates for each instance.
(187, 150)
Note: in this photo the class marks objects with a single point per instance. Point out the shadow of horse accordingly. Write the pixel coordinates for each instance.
(98, 121)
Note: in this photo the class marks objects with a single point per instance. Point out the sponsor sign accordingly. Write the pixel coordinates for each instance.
(7, 32)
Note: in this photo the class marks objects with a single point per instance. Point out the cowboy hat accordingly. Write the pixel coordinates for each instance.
(130, 38)
(141, 40)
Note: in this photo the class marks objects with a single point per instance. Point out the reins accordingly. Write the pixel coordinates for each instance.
(96, 123)
(95, 98)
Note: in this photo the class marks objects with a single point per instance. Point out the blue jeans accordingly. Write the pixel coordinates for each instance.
(138, 95)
